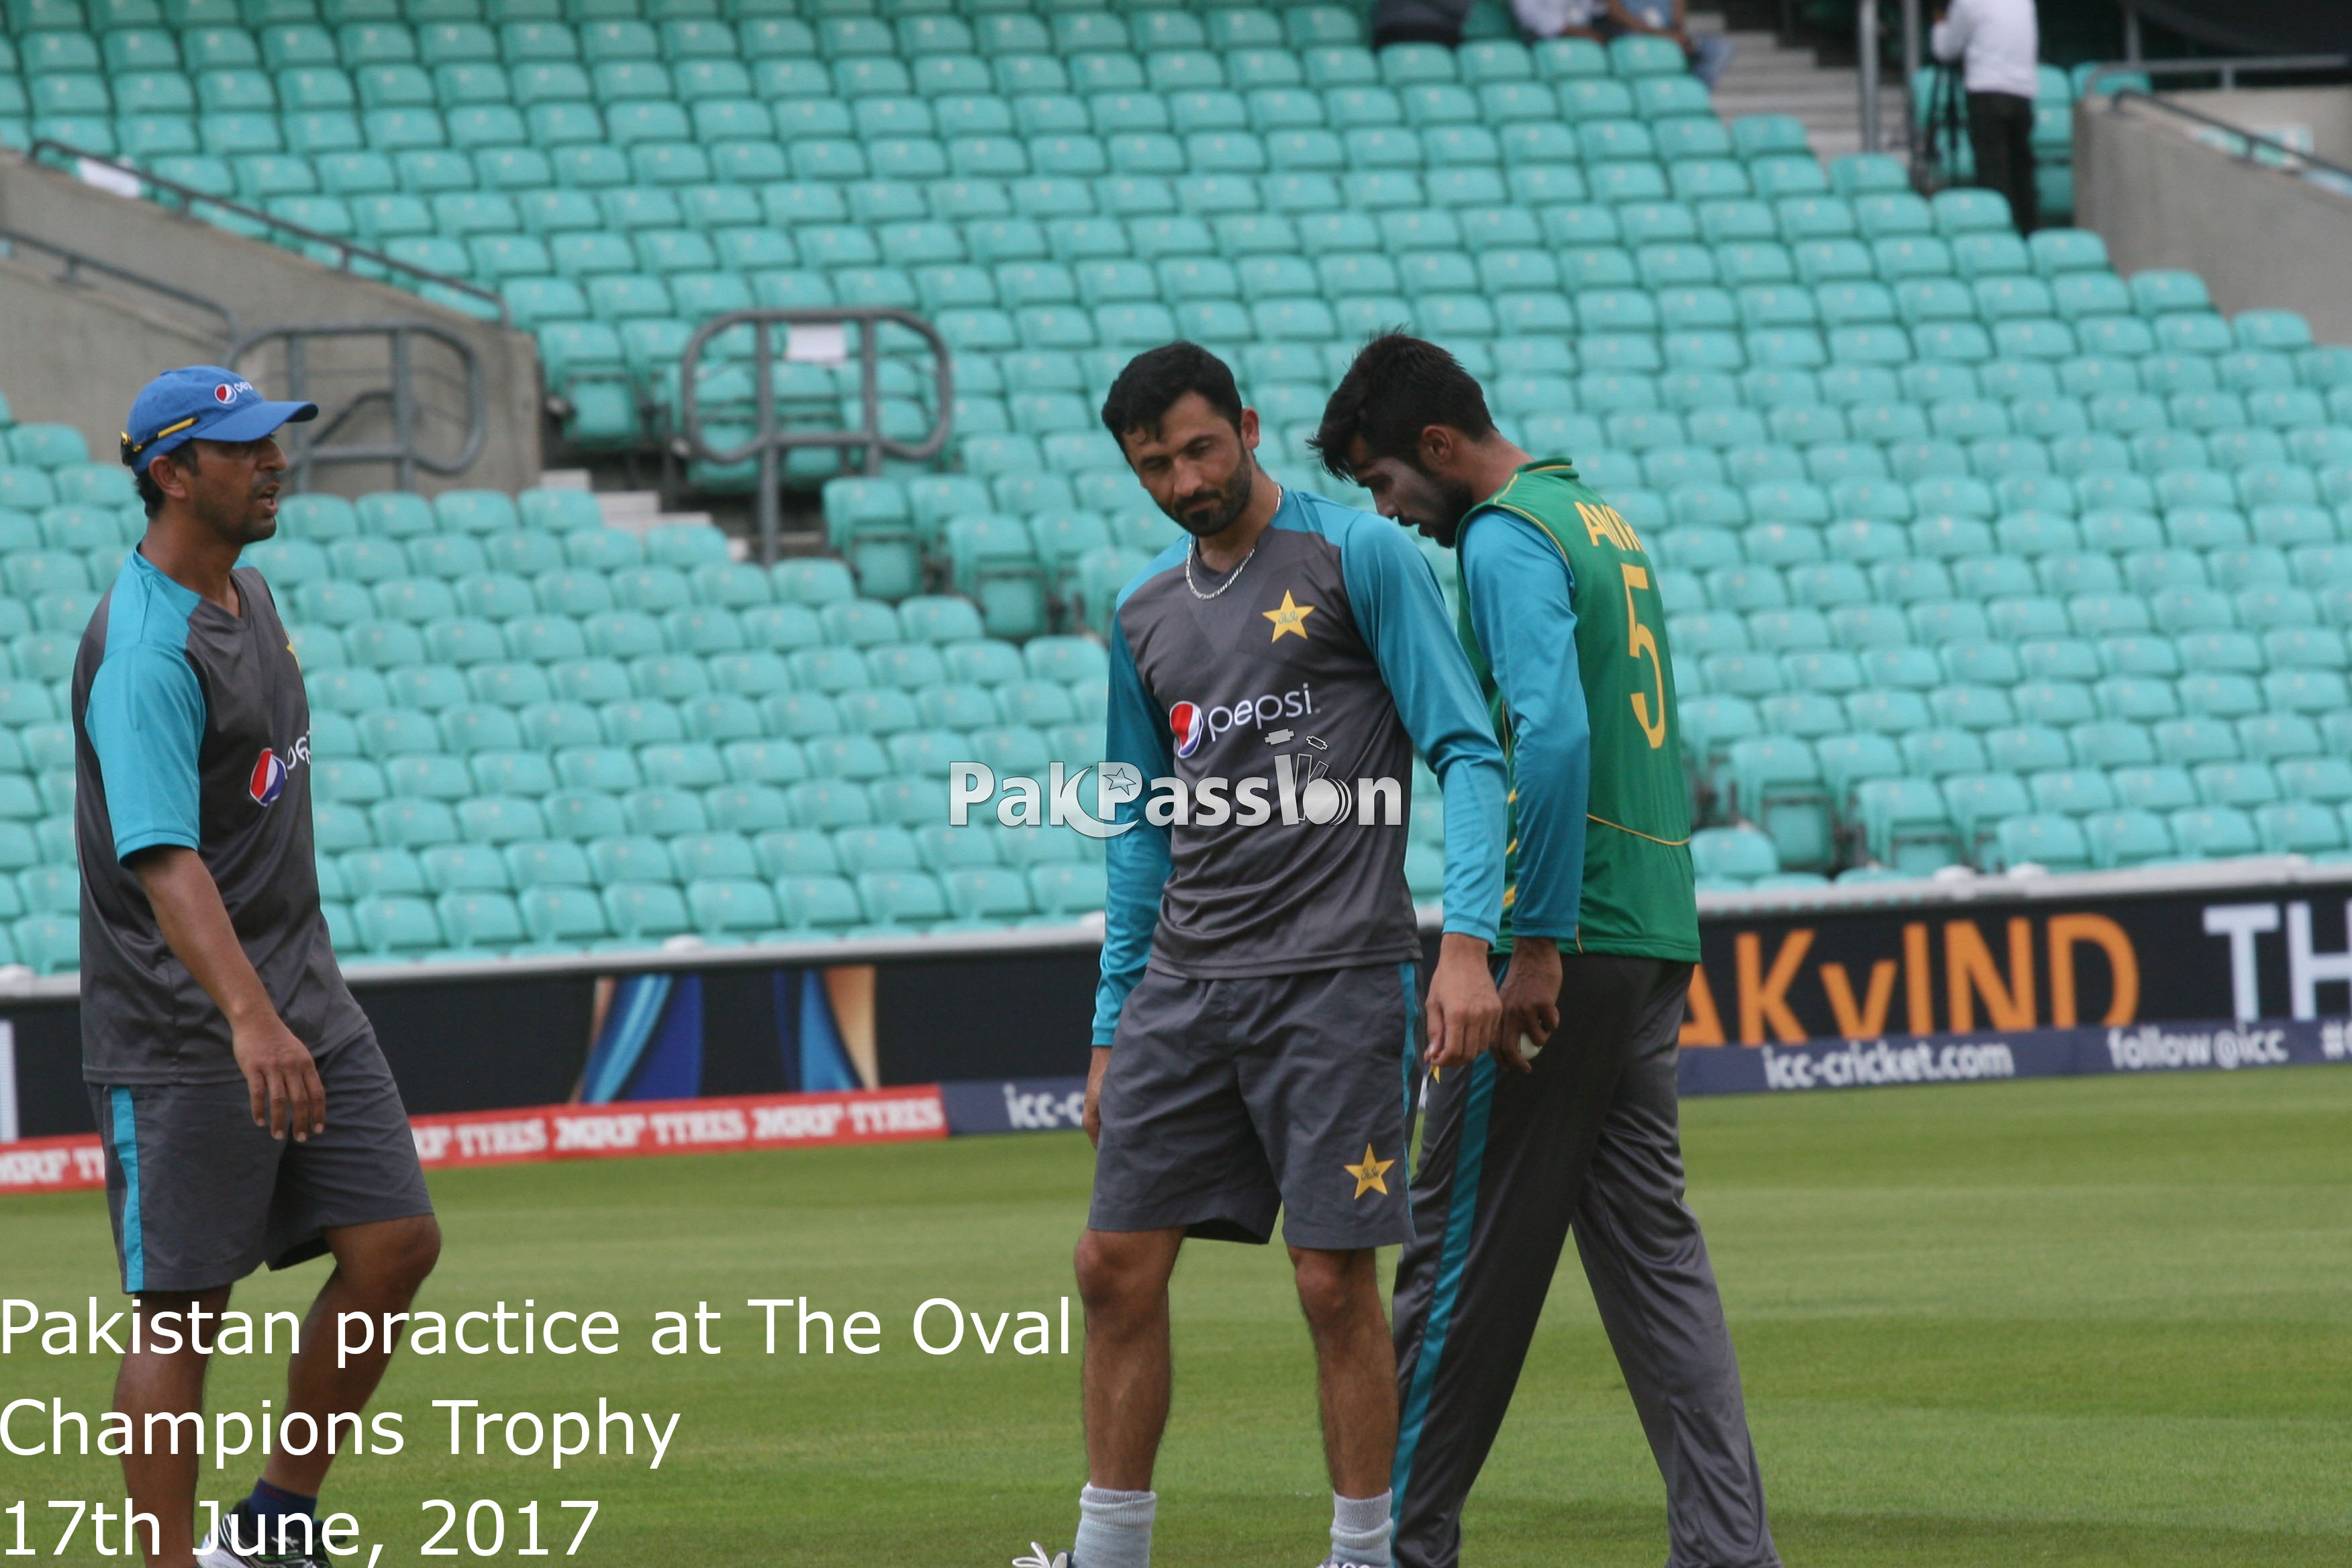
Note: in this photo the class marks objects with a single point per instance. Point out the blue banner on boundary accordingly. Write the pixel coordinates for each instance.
(1013, 1105)
(1993, 1057)
(1056, 1104)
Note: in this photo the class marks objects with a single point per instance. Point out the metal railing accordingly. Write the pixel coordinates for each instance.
(2222, 66)
(346, 251)
(78, 262)
(316, 446)
(769, 439)
(1868, 71)
(1866, 51)
(2289, 158)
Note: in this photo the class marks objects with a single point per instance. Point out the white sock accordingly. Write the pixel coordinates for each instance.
(1359, 1530)
(1115, 1529)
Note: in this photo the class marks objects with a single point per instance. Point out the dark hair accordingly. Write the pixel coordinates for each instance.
(1399, 385)
(151, 494)
(1152, 381)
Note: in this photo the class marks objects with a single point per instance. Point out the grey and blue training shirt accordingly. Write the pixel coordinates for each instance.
(1311, 673)
(191, 728)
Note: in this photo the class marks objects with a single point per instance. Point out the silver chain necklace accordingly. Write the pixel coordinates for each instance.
(1228, 581)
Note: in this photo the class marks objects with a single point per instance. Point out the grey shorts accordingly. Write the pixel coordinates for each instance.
(201, 1197)
(1229, 1101)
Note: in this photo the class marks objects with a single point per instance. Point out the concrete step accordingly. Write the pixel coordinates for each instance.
(1759, 56)
(1798, 98)
(633, 511)
(639, 511)
(1770, 76)
(1773, 76)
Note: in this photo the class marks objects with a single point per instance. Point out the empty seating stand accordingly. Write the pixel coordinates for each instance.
(1975, 550)
(535, 733)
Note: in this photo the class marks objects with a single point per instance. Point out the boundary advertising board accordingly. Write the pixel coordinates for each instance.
(1797, 977)
(2016, 962)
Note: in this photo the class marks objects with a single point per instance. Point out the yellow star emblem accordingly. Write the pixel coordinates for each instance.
(1371, 1173)
(1290, 620)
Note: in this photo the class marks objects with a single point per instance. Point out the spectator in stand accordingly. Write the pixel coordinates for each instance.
(1440, 22)
(1996, 44)
(1708, 53)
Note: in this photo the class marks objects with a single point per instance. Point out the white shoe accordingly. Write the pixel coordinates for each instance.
(1038, 1559)
(220, 1550)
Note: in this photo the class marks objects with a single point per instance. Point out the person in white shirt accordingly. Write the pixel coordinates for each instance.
(1996, 44)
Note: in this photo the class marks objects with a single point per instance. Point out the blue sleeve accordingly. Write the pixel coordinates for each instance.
(1137, 860)
(145, 718)
(1402, 616)
(1520, 608)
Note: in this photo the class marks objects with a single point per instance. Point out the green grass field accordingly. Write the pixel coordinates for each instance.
(2086, 1321)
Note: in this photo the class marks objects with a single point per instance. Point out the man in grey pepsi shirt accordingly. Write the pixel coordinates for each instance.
(214, 1020)
(1260, 1008)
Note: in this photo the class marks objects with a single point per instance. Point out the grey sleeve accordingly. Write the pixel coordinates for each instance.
(1947, 40)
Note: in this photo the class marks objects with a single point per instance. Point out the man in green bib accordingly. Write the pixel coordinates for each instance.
(1572, 1119)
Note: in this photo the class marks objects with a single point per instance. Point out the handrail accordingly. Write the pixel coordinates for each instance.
(2225, 67)
(80, 261)
(312, 446)
(768, 440)
(346, 252)
(2250, 138)
(1865, 53)
(1911, 61)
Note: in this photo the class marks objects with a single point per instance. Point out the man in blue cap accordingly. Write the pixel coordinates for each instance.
(214, 1020)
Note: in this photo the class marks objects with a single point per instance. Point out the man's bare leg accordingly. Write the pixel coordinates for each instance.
(162, 1483)
(1123, 1280)
(378, 1268)
(1355, 1368)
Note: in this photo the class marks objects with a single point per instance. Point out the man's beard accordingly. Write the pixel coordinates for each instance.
(1204, 516)
(243, 522)
(1454, 501)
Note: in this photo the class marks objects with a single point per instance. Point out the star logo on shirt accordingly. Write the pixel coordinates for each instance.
(1371, 1176)
(1289, 619)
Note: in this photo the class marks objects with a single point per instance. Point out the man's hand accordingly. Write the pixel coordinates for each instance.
(1463, 1007)
(278, 1072)
(1530, 998)
(281, 1079)
(1092, 1120)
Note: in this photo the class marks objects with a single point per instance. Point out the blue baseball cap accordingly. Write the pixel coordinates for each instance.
(201, 402)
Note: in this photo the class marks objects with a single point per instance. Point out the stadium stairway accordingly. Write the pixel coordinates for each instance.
(633, 511)
(1765, 77)
(166, 291)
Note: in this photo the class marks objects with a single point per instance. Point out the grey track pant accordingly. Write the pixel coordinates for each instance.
(1428, 20)
(1508, 1162)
